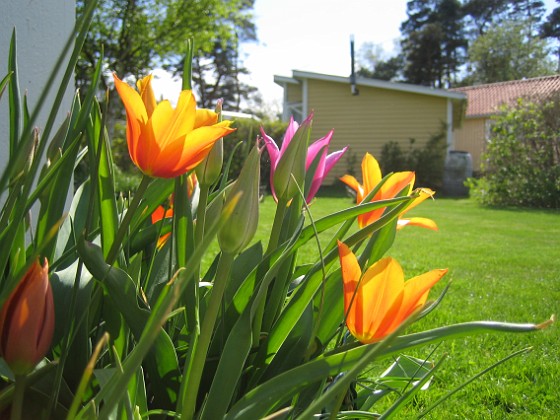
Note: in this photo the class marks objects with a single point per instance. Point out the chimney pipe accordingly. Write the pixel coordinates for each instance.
(353, 88)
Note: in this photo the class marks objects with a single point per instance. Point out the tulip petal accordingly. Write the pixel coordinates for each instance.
(147, 94)
(355, 185)
(351, 274)
(395, 184)
(382, 285)
(371, 173)
(424, 193)
(320, 146)
(333, 158)
(415, 295)
(205, 117)
(273, 152)
(182, 119)
(199, 142)
(136, 115)
(290, 132)
(417, 221)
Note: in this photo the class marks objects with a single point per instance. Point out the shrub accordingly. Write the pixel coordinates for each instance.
(427, 162)
(522, 159)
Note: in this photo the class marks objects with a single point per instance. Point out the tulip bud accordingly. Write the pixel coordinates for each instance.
(27, 320)
(290, 171)
(209, 170)
(242, 224)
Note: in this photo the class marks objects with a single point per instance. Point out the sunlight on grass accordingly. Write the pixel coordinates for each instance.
(503, 265)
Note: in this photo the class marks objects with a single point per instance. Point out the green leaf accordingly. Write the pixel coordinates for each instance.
(238, 345)
(161, 363)
(56, 181)
(16, 122)
(268, 396)
(102, 167)
(330, 308)
(4, 82)
(64, 284)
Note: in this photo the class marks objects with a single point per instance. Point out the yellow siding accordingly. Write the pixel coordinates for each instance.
(375, 117)
(294, 93)
(471, 137)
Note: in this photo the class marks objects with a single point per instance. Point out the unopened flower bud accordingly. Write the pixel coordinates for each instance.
(210, 169)
(27, 321)
(242, 224)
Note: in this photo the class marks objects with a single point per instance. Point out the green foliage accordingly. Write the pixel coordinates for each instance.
(427, 161)
(509, 51)
(522, 160)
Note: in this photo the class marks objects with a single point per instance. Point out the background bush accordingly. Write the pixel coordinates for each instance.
(427, 162)
(522, 161)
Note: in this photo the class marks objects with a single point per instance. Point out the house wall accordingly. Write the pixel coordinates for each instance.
(371, 119)
(294, 93)
(42, 29)
(471, 137)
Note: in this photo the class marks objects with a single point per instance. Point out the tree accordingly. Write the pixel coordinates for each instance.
(138, 35)
(508, 51)
(483, 14)
(433, 41)
(372, 62)
(216, 76)
(551, 29)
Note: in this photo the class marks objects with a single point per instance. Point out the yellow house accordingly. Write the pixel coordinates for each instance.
(484, 101)
(369, 114)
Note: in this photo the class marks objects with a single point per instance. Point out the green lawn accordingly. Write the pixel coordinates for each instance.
(504, 266)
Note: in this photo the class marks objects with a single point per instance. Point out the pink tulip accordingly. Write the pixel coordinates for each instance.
(318, 148)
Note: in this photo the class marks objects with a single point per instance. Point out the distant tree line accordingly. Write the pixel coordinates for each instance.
(446, 43)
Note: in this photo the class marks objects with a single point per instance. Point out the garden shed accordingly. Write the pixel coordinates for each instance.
(484, 101)
(370, 113)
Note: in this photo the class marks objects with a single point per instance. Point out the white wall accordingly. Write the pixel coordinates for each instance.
(42, 29)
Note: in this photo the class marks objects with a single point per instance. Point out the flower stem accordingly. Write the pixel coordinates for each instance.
(115, 246)
(17, 402)
(199, 353)
(277, 225)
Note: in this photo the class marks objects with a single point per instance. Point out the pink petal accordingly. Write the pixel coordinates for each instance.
(272, 149)
(290, 131)
(333, 158)
(315, 148)
(317, 179)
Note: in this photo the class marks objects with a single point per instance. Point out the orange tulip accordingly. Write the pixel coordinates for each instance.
(371, 175)
(27, 321)
(376, 303)
(165, 142)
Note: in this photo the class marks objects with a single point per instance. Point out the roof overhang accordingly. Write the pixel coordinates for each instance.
(298, 75)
